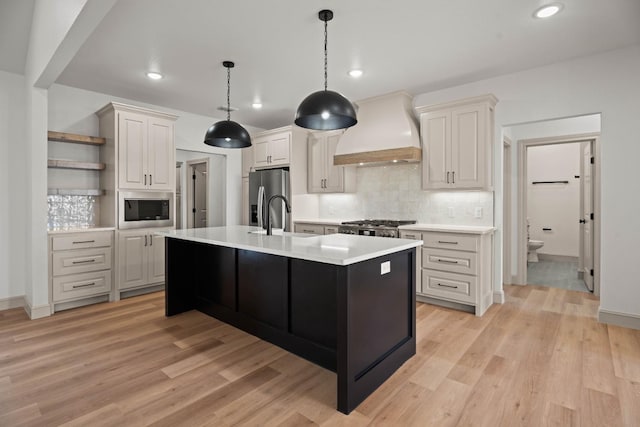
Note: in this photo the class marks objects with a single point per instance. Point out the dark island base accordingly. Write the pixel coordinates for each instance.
(349, 319)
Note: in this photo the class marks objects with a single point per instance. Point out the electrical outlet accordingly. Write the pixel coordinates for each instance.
(385, 267)
(450, 212)
(478, 212)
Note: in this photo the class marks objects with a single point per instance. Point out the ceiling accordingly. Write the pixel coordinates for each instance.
(413, 45)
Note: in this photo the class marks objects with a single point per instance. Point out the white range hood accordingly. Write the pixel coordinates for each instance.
(386, 132)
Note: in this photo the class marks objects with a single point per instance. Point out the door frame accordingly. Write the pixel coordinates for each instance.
(189, 170)
(507, 277)
(523, 145)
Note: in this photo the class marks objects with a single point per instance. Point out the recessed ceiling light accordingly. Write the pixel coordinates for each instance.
(257, 105)
(154, 76)
(356, 73)
(548, 10)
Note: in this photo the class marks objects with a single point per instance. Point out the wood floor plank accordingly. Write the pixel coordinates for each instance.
(539, 359)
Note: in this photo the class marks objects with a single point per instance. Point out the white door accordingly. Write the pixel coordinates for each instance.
(467, 146)
(316, 164)
(132, 248)
(132, 151)
(261, 152)
(197, 194)
(435, 128)
(160, 154)
(587, 210)
(335, 174)
(156, 258)
(279, 148)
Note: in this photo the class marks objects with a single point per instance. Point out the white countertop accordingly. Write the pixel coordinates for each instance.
(468, 229)
(80, 230)
(338, 249)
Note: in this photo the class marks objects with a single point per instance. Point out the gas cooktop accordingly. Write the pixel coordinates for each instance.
(374, 227)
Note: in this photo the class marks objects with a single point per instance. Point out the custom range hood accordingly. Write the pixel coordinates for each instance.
(386, 132)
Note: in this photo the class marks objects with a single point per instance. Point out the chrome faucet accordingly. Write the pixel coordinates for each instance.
(287, 207)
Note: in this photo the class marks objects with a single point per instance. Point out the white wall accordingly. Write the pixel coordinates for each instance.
(13, 198)
(607, 83)
(554, 206)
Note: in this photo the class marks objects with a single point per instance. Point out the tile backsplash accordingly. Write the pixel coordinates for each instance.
(394, 192)
(71, 212)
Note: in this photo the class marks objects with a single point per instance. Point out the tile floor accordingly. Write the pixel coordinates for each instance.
(555, 274)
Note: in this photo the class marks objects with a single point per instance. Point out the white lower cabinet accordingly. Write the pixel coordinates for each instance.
(311, 228)
(455, 268)
(80, 266)
(140, 258)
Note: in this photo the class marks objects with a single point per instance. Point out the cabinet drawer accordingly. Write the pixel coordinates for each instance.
(413, 235)
(331, 230)
(454, 261)
(309, 228)
(460, 242)
(81, 261)
(81, 240)
(81, 285)
(452, 286)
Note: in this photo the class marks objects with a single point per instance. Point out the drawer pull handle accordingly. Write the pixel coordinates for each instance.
(447, 286)
(308, 231)
(84, 241)
(447, 261)
(85, 285)
(86, 261)
(448, 243)
(410, 236)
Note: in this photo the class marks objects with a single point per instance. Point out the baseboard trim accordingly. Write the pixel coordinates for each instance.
(557, 258)
(11, 302)
(626, 320)
(498, 297)
(38, 311)
(80, 303)
(128, 293)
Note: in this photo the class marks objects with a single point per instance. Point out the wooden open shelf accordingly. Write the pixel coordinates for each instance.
(75, 192)
(74, 164)
(75, 139)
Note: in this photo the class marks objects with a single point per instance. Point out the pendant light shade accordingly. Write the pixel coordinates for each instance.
(325, 109)
(227, 133)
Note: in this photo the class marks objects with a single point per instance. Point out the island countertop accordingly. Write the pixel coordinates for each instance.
(337, 249)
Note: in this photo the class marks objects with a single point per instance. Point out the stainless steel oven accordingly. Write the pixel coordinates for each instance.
(143, 209)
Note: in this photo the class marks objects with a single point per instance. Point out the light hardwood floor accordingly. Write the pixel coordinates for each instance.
(539, 359)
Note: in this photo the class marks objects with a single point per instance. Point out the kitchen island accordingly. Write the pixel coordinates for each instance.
(344, 302)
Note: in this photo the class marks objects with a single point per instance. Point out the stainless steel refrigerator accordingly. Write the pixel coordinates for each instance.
(262, 185)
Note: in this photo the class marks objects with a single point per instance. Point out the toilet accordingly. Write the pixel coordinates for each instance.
(532, 250)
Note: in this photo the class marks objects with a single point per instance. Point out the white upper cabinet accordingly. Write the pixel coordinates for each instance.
(272, 148)
(323, 175)
(457, 140)
(143, 144)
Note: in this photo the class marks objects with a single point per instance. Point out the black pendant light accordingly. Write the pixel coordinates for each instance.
(325, 109)
(227, 133)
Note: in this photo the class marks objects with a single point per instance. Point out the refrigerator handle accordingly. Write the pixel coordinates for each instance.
(260, 206)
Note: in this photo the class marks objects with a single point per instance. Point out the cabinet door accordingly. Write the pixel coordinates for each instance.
(132, 152)
(132, 249)
(161, 154)
(436, 151)
(468, 129)
(261, 152)
(316, 163)
(334, 174)
(156, 258)
(279, 149)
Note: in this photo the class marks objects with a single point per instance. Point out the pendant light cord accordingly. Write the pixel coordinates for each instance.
(228, 94)
(325, 55)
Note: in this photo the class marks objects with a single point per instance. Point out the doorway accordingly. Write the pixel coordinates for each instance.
(584, 218)
(197, 192)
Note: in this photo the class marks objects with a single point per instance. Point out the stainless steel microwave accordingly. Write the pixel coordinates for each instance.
(145, 209)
